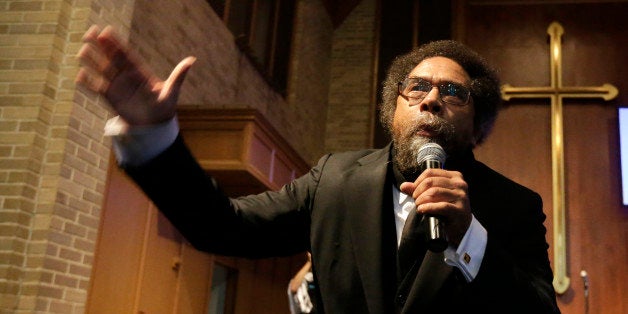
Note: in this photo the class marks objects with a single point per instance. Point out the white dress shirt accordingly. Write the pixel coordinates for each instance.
(470, 252)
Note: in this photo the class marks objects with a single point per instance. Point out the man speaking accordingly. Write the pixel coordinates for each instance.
(363, 215)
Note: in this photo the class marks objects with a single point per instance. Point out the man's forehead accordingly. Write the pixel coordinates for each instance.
(438, 69)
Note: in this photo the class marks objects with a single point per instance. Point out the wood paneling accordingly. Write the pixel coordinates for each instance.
(144, 265)
(512, 35)
(193, 292)
(240, 149)
(119, 254)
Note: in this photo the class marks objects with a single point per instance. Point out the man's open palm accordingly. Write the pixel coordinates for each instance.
(109, 68)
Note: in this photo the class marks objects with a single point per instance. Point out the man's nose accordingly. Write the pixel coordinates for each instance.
(431, 102)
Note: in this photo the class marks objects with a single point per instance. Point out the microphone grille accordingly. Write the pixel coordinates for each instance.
(431, 151)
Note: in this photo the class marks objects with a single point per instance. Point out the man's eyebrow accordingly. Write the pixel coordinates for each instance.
(440, 82)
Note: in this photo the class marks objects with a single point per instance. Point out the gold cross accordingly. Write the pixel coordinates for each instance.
(557, 92)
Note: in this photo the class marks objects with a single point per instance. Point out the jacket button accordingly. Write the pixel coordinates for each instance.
(401, 299)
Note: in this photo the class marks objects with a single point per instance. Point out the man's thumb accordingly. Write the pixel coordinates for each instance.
(176, 78)
(407, 187)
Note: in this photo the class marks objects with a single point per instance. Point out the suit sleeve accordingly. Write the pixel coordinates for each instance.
(274, 223)
(516, 268)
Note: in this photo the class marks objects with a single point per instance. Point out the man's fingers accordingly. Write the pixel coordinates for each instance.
(91, 34)
(407, 187)
(102, 53)
(111, 56)
(433, 208)
(91, 58)
(92, 81)
(108, 40)
(418, 187)
(120, 58)
(93, 64)
(437, 194)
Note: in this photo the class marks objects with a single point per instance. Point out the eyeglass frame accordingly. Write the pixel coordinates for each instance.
(440, 86)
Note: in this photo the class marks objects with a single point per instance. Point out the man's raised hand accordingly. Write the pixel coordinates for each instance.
(110, 68)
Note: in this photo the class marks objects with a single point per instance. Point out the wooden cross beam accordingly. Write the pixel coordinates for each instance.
(557, 92)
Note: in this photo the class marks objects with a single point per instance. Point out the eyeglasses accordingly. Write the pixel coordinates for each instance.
(417, 88)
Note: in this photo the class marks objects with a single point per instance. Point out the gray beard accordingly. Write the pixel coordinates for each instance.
(407, 142)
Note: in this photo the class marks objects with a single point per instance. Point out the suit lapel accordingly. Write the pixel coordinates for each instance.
(412, 247)
(368, 184)
(375, 259)
(431, 276)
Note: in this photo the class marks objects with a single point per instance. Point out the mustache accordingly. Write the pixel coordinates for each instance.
(407, 140)
(430, 123)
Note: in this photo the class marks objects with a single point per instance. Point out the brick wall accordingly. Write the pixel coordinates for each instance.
(167, 31)
(352, 91)
(309, 81)
(53, 156)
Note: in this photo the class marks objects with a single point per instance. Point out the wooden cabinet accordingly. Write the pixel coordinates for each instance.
(144, 265)
(240, 149)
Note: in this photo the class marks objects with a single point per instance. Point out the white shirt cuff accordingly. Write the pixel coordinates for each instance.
(136, 145)
(468, 257)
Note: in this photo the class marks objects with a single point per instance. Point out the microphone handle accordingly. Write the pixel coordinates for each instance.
(436, 236)
(437, 239)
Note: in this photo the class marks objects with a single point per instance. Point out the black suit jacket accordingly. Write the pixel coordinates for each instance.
(342, 211)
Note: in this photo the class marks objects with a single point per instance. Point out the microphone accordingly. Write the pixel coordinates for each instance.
(430, 156)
